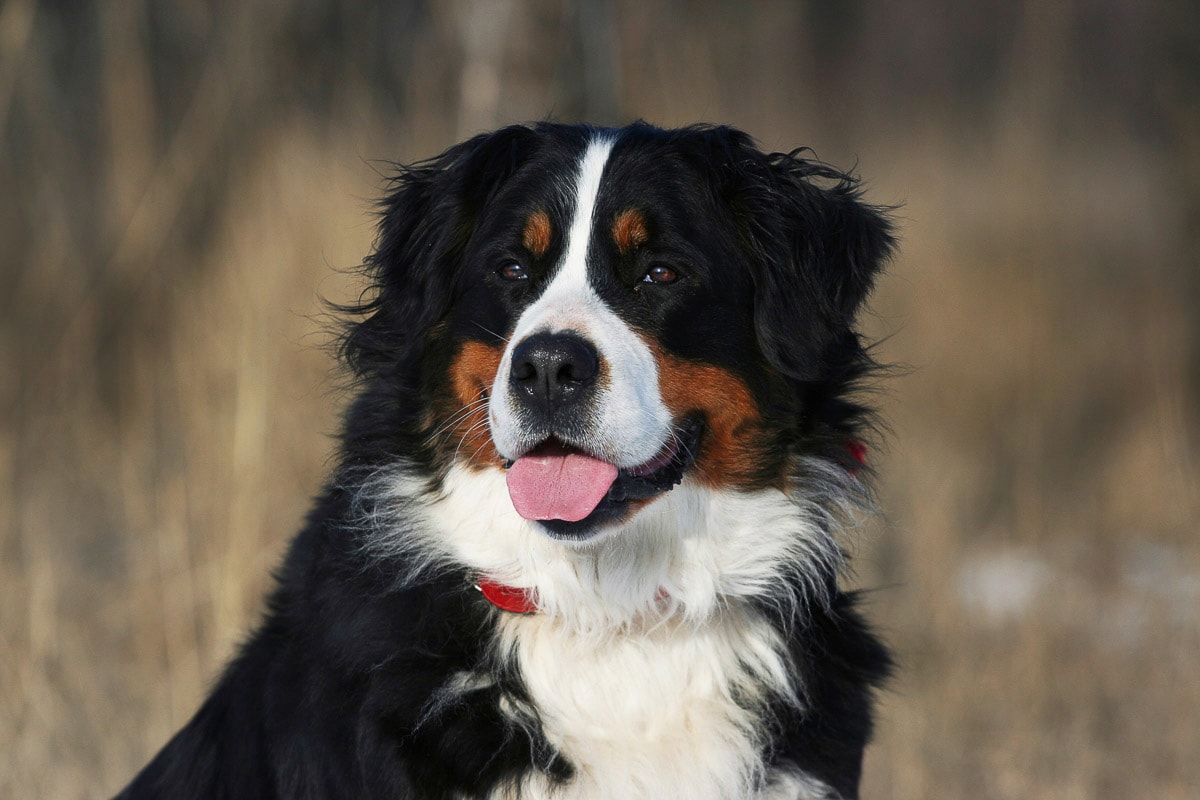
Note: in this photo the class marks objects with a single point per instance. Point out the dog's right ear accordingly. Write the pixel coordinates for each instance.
(426, 219)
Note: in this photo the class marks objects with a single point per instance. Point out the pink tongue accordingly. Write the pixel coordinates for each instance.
(555, 482)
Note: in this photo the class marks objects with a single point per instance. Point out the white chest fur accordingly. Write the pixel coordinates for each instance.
(662, 713)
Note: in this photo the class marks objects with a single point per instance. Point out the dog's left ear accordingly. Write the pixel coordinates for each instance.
(819, 257)
(425, 222)
(815, 249)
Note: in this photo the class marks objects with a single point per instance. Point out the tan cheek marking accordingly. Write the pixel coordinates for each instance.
(471, 375)
(731, 454)
(629, 230)
(536, 236)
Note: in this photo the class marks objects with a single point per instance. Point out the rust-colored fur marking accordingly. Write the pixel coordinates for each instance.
(629, 231)
(536, 236)
(730, 454)
(471, 376)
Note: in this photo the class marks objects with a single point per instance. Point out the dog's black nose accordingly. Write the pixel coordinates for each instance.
(553, 370)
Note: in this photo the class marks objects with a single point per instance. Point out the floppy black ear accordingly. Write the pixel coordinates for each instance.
(426, 219)
(816, 248)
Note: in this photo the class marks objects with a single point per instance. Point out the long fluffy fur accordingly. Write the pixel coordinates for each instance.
(696, 646)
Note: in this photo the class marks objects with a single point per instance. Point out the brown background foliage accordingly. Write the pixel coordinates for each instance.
(180, 184)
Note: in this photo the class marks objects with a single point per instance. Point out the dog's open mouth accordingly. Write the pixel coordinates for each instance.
(572, 493)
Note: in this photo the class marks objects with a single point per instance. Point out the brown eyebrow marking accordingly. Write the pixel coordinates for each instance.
(536, 236)
(629, 230)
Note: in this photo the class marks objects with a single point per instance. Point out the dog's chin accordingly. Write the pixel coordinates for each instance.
(631, 490)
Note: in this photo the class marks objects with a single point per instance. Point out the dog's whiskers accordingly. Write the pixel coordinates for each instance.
(486, 329)
(459, 416)
(466, 435)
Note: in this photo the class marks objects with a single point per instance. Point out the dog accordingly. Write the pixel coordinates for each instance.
(582, 536)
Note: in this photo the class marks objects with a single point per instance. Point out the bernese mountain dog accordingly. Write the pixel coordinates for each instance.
(582, 539)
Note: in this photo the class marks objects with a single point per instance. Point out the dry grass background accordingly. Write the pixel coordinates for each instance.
(179, 184)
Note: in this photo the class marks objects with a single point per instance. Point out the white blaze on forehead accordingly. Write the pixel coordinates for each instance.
(587, 189)
(630, 422)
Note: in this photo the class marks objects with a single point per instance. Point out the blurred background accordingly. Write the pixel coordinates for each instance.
(182, 183)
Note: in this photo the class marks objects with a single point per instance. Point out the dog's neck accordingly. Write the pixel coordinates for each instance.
(692, 552)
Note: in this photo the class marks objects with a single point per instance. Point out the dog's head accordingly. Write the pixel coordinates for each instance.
(604, 314)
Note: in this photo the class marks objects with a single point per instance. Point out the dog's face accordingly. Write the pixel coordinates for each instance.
(604, 314)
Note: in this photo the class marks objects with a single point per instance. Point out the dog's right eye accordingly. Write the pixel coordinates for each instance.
(513, 272)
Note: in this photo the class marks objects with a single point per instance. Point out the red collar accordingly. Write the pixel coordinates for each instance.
(508, 598)
(857, 450)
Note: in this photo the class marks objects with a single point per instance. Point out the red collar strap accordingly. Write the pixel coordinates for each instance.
(521, 601)
(508, 598)
(858, 451)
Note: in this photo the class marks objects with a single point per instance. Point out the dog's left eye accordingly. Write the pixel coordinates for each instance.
(660, 274)
(513, 272)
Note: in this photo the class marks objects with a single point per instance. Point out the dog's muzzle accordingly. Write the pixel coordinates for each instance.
(569, 426)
